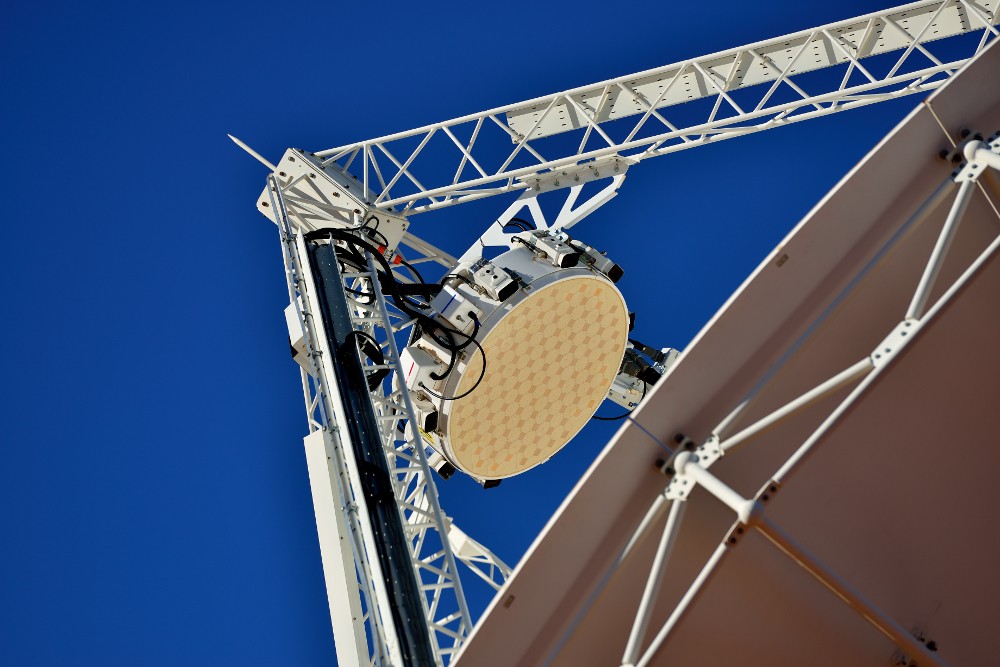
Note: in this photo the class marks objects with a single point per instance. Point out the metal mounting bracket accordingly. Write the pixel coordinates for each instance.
(894, 342)
(318, 196)
(578, 174)
(680, 487)
(570, 214)
(979, 155)
(709, 451)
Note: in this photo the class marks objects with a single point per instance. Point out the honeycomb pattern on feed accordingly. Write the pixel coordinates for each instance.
(549, 364)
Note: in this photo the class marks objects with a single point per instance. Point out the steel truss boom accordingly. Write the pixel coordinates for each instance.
(555, 142)
(719, 96)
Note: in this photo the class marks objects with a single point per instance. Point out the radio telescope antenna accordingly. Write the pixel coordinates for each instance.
(385, 412)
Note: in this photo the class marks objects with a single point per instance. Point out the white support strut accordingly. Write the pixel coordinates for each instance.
(689, 466)
(626, 117)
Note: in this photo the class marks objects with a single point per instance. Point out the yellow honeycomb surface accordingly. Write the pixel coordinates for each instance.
(549, 364)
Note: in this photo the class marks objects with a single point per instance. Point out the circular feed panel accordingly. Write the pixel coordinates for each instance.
(549, 363)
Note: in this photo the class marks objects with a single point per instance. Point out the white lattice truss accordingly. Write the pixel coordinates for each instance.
(427, 527)
(688, 465)
(530, 145)
(433, 560)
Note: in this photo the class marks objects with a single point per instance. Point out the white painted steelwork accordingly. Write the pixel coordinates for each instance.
(608, 127)
(341, 517)
(358, 600)
(627, 116)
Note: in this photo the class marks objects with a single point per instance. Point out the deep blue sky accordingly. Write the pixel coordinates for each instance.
(154, 503)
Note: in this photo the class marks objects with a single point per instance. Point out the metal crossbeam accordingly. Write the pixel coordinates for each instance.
(720, 96)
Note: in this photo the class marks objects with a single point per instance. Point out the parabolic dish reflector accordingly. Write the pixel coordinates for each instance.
(883, 481)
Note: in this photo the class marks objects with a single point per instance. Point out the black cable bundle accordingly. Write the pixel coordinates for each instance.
(351, 251)
(520, 223)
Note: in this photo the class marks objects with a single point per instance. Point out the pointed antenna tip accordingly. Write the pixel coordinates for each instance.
(260, 158)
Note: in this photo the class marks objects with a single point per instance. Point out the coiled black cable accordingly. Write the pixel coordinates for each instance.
(482, 374)
(454, 357)
(351, 253)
